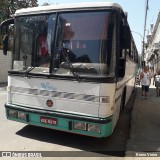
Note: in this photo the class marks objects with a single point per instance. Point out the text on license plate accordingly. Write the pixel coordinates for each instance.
(46, 120)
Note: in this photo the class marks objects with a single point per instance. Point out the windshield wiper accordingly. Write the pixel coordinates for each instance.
(64, 52)
(27, 71)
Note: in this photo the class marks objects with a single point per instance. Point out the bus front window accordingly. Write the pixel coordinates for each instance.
(33, 41)
(88, 37)
(89, 40)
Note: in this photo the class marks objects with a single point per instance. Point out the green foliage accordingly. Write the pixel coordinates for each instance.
(3, 9)
(45, 4)
(8, 8)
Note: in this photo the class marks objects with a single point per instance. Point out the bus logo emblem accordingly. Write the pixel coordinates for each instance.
(49, 103)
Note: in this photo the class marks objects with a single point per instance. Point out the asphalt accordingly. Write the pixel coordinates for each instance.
(144, 138)
(3, 86)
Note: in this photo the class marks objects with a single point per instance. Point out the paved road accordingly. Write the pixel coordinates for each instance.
(16, 136)
(145, 126)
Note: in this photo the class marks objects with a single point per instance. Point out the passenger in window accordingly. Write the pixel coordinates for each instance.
(5, 44)
(43, 48)
(44, 56)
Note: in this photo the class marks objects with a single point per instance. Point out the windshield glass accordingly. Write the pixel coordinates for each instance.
(88, 38)
(70, 44)
(33, 42)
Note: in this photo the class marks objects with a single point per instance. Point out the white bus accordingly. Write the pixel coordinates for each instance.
(73, 67)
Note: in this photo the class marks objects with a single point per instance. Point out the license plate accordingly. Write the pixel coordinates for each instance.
(46, 120)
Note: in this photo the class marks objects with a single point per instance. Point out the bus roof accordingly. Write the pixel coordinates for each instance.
(66, 7)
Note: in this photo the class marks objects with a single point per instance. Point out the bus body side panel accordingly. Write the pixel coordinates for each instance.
(116, 112)
(130, 72)
(126, 85)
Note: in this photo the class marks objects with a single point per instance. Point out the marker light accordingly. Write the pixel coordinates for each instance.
(104, 99)
(93, 128)
(79, 126)
(22, 116)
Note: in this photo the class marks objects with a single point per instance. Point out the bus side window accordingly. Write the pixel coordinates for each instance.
(122, 54)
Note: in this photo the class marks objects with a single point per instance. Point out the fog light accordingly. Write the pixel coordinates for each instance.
(79, 126)
(93, 128)
(12, 113)
(22, 116)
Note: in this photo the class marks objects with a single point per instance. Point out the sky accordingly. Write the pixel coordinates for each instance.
(136, 14)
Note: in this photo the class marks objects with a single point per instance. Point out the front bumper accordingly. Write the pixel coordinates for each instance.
(63, 121)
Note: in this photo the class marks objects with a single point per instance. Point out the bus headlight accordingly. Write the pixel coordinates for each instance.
(22, 116)
(17, 114)
(104, 99)
(12, 113)
(79, 126)
(93, 128)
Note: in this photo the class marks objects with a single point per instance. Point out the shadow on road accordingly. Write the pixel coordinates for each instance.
(114, 145)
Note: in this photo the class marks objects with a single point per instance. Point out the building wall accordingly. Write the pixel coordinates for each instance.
(4, 66)
(153, 46)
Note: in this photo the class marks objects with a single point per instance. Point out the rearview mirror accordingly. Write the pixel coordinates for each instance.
(5, 44)
(4, 25)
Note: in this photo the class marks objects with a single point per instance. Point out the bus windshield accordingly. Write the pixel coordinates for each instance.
(78, 42)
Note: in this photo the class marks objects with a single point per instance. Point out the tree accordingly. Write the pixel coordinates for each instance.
(45, 4)
(8, 7)
(18, 4)
(3, 9)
